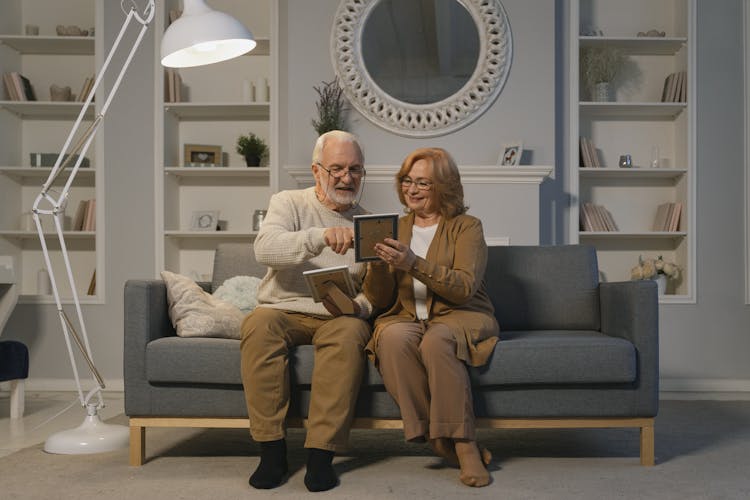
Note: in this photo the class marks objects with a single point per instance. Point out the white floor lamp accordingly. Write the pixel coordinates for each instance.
(200, 36)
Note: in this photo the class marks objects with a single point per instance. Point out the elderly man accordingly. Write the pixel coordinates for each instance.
(307, 229)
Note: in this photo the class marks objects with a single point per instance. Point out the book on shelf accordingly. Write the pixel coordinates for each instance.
(88, 84)
(172, 86)
(667, 217)
(675, 87)
(85, 216)
(589, 157)
(18, 87)
(596, 218)
(92, 284)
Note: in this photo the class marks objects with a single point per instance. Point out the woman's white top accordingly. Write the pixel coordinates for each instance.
(421, 237)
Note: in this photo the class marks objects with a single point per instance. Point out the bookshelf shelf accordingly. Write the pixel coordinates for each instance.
(213, 172)
(655, 46)
(46, 110)
(210, 234)
(198, 111)
(648, 235)
(645, 110)
(50, 45)
(631, 173)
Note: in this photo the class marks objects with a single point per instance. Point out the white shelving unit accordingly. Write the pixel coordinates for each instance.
(214, 112)
(634, 123)
(42, 126)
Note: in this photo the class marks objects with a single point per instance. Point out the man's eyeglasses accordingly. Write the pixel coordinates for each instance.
(337, 172)
(422, 185)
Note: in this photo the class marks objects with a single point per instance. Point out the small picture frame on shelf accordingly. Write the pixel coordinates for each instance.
(204, 220)
(510, 156)
(201, 155)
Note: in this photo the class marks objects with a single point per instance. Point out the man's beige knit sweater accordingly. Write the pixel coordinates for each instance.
(291, 241)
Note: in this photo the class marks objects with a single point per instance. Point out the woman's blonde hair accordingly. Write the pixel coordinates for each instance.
(446, 180)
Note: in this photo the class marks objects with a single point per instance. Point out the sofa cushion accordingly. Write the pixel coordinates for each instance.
(544, 287)
(558, 357)
(196, 313)
(234, 259)
(521, 357)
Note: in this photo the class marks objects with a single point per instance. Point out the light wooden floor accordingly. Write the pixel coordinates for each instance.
(40, 418)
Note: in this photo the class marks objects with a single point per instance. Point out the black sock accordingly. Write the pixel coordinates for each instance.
(320, 475)
(273, 466)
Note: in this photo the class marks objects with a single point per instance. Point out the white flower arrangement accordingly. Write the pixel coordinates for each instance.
(649, 268)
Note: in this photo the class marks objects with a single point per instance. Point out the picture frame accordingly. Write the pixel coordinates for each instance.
(204, 220)
(202, 155)
(319, 281)
(371, 229)
(510, 156)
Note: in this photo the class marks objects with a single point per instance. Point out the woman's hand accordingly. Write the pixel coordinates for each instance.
(396, 254)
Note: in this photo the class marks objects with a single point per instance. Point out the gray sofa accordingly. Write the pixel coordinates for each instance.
(573, 352)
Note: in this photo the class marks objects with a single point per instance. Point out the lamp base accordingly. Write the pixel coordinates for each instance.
(92, 436)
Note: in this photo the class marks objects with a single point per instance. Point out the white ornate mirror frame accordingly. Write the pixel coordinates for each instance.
(423, 120)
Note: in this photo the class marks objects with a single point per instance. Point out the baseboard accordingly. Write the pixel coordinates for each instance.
(695, 388)
(670, 388)
(65, 385)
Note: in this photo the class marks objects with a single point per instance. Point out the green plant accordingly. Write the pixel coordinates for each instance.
(330, 106)
(252, 145)
(601, 64)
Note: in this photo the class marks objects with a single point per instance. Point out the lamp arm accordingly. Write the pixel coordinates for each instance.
(58, 202)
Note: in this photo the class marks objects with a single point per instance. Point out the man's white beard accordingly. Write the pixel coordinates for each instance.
(341, 197)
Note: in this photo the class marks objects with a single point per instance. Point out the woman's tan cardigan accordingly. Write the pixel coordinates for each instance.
(453, 271)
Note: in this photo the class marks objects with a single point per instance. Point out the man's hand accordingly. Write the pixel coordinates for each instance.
(339, 239)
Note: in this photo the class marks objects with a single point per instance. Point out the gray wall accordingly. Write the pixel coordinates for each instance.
(703, 346)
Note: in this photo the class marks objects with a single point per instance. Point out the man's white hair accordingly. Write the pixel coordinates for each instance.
(339, 135)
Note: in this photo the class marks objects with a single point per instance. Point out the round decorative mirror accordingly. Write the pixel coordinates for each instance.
(421, 68)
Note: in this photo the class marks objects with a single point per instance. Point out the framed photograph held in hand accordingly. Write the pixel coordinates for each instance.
(371, 229)
(320, 280)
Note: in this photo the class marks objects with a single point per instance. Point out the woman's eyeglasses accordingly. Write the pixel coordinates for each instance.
(422, 185)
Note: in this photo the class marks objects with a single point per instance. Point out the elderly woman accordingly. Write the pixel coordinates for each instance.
(438, 317)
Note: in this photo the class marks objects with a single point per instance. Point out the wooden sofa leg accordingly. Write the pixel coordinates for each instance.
(647, 444)
(137, 445)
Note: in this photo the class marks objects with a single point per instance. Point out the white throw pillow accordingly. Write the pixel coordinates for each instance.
(196, 313)
(242, 291)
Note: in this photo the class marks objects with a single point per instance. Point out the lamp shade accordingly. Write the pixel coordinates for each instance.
(202, 35)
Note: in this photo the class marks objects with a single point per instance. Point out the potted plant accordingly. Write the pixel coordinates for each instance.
(253, 148)
(599, 66)
(330, 107)
(656, 269)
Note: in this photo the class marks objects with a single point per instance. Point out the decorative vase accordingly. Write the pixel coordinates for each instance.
(661, 283)
(602, 92)
(252, 160)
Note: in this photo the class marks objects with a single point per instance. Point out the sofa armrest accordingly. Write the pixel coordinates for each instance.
(630, 310)
(146, 319)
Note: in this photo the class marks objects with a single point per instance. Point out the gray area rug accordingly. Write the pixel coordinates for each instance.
(702, 449)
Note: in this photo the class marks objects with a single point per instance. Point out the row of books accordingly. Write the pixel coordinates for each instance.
(596, 218)
(589, 156)
(172, 86)
(667, 217)
(675, 87)
(18, 87)
(85, 218)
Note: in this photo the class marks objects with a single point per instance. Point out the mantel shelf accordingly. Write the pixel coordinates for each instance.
(43, 110)
(262, 172)
(198, 111)
(54, 45)
(477, 174)
(643, 45)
